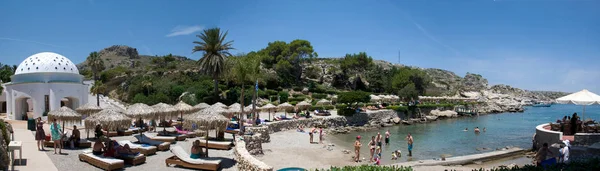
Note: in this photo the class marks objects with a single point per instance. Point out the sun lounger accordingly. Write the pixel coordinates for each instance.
(162, 146)
(217, 145)
(144, 149)
(133, 160)
(106, 163)
(83, 143)
(169, 137)
(110, 134)
(181, 158)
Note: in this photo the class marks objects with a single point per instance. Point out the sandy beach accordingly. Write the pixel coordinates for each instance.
(293, 149)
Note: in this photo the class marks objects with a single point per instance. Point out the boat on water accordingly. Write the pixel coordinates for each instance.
(542, 105)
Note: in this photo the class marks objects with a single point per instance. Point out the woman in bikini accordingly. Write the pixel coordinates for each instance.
(372, 148)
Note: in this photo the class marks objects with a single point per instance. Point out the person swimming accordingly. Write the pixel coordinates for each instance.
(476, 129)
(466, 129)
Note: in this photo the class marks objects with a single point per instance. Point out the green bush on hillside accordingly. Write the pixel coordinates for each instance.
(340, 106)
(283, 96)
(368, 168)
(297, 88)
(271, 92)
(319, 96)
(354, 97)
(398, 108)
(346, 111)
(296, 99)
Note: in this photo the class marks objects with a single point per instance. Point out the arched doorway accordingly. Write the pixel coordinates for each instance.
(23, 108)
(3, 107)
(70, 102)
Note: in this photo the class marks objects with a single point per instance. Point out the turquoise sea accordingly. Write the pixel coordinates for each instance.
(447, 136)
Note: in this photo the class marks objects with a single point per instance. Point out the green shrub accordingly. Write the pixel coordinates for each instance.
(4, 133)
(284, 96)
(368, 168)
(346, 111)
(271, 92)
(296, 99)
(262, 94)
(398, 108)
(315, 108)
(293, 103)
(340, 106)
(297, 88)
(331, 92)
(273, 97)
(353, 97)
(319, 96)
(328, 107)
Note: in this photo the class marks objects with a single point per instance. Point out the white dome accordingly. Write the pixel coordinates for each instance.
(46, 62)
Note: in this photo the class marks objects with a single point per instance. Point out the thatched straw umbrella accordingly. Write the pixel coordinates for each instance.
(303, 105)
(64, 114)
(252, 109)
(88, 109)
(219, 104)
(209, 119)
(285, 107)
(201, 106)
(109, 119)
(164, 111)
(323, 102)
(183, 108)
(269, 107)
(140, 111)
(235, 108)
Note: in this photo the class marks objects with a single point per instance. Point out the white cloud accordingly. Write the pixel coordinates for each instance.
(30, 41)
(184, 30)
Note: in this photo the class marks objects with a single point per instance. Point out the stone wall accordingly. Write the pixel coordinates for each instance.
(293, 124)
(245, 161)
(262, 130)
(543, 135)
(587, 138)
(254, 144)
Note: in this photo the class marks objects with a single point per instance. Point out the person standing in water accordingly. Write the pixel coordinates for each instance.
(357, 145)
(378, 139)
(476, 130)
(410, 140)
(387, 137)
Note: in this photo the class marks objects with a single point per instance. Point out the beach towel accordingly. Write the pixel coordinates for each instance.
(549, 162)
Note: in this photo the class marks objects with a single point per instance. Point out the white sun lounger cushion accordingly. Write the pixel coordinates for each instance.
(132, 145)
(108, 160)
(181, 154)
(217, 142)
(164, 138)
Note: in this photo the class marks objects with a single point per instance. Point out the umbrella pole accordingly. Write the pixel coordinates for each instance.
(583, 119)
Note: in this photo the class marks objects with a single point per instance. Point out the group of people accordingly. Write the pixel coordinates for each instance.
(112, 148)
(542, 154)
(311, 133)
(573, 121)
(375, 147)
(57, 136)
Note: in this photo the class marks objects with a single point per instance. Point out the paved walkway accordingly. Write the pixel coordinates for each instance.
(461, 160)
(35, 160)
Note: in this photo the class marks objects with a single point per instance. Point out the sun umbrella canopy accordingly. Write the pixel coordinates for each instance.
(285, 106)
(140, 110)
(201, 106)
(164, 110)
(268, 107)
(219, 104)
(209, 119)
(375, 98)
(64, 114)
(109, 119)
(303, 105)
(583, 97)
(249, 108)
(88, 109)
(183, 107)
(323, 102)
(235, 108)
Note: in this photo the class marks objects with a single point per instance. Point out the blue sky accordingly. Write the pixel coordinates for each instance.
(530, 44)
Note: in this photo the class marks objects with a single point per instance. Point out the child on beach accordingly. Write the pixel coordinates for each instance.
(377, 161)
(396, 154)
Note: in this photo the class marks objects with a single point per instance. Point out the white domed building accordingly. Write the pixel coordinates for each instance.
(43, 82)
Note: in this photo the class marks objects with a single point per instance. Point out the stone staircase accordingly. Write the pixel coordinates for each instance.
(105, 102)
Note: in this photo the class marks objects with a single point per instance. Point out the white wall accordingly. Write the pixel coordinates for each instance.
(37, 91)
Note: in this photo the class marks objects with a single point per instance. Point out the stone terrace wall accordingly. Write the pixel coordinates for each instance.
(543, 135)
(587, 138)
(262, 130)
(254, 144)
(245, 161)
(293, 124)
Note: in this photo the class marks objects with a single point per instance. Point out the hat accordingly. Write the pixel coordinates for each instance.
(358, 137)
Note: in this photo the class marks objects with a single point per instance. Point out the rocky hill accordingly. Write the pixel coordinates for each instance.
(497, 98)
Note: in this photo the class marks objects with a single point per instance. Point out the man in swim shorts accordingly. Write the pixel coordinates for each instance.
(410, 140)
(387, 137)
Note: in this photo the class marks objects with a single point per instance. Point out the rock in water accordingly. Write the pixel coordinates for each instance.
(431, 118)
(396, 120)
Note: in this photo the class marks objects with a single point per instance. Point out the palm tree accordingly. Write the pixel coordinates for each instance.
(98, 88)
(239, 73)
(97, 65)
(147, 84)
(215, 52)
